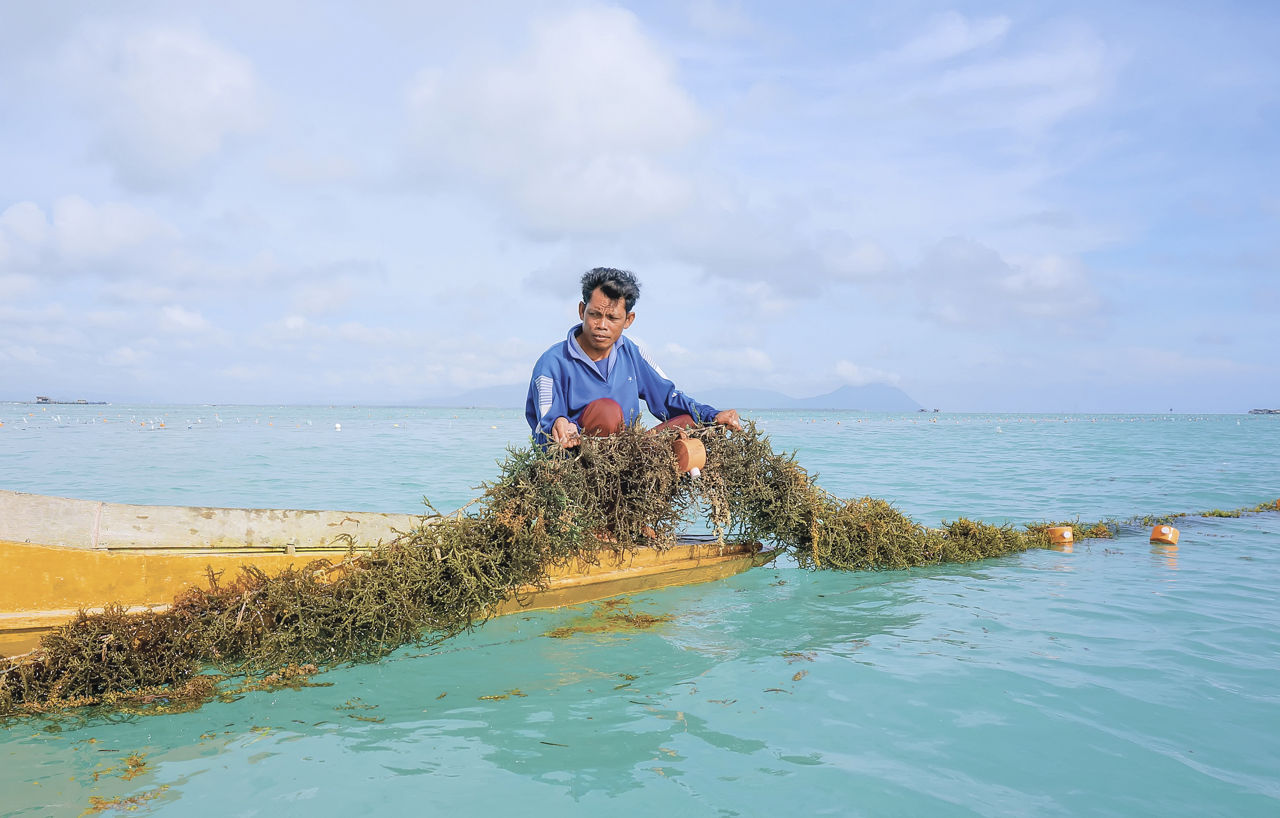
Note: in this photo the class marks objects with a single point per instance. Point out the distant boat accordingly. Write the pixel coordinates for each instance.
(80, 401)
(62, 555)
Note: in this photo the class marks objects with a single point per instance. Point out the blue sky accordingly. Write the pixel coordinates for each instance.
(994, 206)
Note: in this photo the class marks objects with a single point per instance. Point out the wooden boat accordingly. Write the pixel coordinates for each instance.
(61, 555)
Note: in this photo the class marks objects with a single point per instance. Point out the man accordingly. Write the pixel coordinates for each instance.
(592, 382)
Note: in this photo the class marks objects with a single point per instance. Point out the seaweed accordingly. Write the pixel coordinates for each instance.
(547, 507)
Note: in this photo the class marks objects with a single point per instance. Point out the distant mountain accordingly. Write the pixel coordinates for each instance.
(870, 398)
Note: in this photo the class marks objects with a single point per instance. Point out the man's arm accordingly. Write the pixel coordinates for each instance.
(659, 392)
(546, 409)
(729, 417)
(565, 432)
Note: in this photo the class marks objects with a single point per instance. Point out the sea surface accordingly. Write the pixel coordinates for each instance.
(1117, 678)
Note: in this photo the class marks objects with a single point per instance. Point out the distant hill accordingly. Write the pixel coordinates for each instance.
(870, 398)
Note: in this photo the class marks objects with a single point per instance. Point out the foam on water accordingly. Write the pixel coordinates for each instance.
(1119, 679)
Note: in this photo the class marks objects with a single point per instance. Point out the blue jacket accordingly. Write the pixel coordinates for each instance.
(565, 380)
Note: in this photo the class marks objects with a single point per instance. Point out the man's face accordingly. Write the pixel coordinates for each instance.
(603, 321)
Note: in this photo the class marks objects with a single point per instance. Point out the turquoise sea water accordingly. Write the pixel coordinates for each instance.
(1118, 679)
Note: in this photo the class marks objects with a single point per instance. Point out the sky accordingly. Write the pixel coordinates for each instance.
(1011, 206)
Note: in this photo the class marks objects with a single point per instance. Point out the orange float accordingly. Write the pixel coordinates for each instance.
(1060, 534)
(1166, 534)
(691, 455)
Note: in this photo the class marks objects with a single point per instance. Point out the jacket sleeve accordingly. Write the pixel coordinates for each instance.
(546, 401)
(661, 395)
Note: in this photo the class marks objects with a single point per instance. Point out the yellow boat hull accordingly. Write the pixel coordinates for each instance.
(61, 556)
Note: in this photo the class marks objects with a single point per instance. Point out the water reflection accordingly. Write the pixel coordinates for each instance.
(1166, 554)
(607, 711)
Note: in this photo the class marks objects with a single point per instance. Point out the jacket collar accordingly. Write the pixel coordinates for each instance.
(575, 351)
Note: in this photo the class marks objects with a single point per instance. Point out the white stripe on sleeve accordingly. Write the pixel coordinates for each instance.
(545, 386)
(644, 353)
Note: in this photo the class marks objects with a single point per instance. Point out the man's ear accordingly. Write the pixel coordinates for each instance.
(582, 311)
(631, 316)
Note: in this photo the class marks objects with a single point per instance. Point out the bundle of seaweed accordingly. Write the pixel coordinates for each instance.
(547, 507)
(325, 614)
(447, 574)
(756, 493)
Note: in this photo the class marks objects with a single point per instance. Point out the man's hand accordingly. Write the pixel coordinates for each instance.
(729, 417)
(565, 432)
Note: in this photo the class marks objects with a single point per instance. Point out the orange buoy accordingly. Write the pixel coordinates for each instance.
(1061, 534)
(691, 455)
(1166, 534)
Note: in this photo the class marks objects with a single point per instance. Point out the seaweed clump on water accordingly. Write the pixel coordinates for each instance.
(1100, 530)
(546, 508)
(759, 494)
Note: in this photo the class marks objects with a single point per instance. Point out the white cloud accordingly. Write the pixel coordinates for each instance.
(777, 182)
(1030, 90)
(302, 168)
(25, 223)
(578, 130)
(762, 301)
(721, 19)
(126, 356)
(109, 319)
(951, 34)
(13, 285)
(293, 329)
(11, 316)
(85, 231)
(334, 285)
(28, 355)
(166, 98)
(887, 162)
(317, 298)
(135, 257)
(248, 372)
(1173, 365)
(964, 283)
(723, 363)
(1048, 284)
(856, 375)
(358, 333)
(78, 232)
(751, 359)
(730, 364)
(137, 291)
(846, 257)
(742, 233)
(177, 319)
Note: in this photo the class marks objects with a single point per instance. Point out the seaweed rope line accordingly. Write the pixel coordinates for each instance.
(450, 572)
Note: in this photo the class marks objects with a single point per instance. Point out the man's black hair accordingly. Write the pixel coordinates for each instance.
(613, 283)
